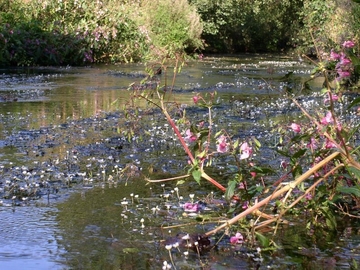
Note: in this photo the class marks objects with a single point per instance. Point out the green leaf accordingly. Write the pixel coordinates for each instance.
(283, 153)
(180, 182)
(324, 91)
(355, 102)
(330, 218)
(263, 170)
(257, 143)
(203, 133)
(349, 190)
(218, 134)
(264, 241)
(236, 144)
(299, 153)
(229, 193)
(297, 171)
(197, 175)
(354, 171)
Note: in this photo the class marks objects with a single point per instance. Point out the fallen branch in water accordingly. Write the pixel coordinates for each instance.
(166, 179)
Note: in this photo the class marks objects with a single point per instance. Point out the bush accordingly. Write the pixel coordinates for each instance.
(171, 27)
(327, 24)
(253, 26)
(68, 32)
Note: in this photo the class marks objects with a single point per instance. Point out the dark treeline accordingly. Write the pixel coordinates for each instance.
(76, 32)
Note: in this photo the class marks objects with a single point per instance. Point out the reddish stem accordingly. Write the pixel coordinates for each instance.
(188, 152)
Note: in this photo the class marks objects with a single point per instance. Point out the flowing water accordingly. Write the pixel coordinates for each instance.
(72, 189)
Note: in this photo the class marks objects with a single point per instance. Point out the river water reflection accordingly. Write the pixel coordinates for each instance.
(93, 229)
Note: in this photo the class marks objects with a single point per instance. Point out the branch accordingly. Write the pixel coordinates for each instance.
(276, 194)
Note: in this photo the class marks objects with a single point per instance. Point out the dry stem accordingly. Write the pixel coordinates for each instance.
(276, 194)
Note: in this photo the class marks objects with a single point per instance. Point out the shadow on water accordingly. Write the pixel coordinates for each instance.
(60, 144)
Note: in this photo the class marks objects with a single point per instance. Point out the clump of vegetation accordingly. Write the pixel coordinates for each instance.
(318, 157)
(78, 32)
(171, 27)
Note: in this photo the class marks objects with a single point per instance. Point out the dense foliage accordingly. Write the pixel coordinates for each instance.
(75, 32)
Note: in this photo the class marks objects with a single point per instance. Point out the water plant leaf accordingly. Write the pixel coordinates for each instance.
(229, 193)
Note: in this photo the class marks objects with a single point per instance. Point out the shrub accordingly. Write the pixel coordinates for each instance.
(171, 27)
(68, 32)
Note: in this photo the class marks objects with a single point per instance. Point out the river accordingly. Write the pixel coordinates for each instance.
(72, 191)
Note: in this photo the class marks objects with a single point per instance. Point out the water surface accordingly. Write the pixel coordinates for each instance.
(59, 128)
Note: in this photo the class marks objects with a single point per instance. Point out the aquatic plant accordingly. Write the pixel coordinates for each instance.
(318, 153)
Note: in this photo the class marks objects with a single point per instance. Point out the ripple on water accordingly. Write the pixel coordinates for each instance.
(28, 238)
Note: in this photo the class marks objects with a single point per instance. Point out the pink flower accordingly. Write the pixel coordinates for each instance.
(339, 126)
(295, 127)
(191, 207)
(348, 44)
(329, 144)
(237, 239)
(344, 60)
(334, 56)
(190, 137)
(253, 174)
(328, 119)
(222, 146)
(195, 99)
(342, 74)
(245, 205)
(283, 164)
(334, 97)
(245, 150)
(312, 144)
(241, 186)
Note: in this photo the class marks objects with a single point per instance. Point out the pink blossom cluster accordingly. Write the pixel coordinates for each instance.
(343, 66)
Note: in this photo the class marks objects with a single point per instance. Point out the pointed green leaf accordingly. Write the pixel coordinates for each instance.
(257, 143)
(355, 102)
(264, 241)
(229, 193)
(180, 182)
(354, 171)
(197, 175)
(349, 190)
